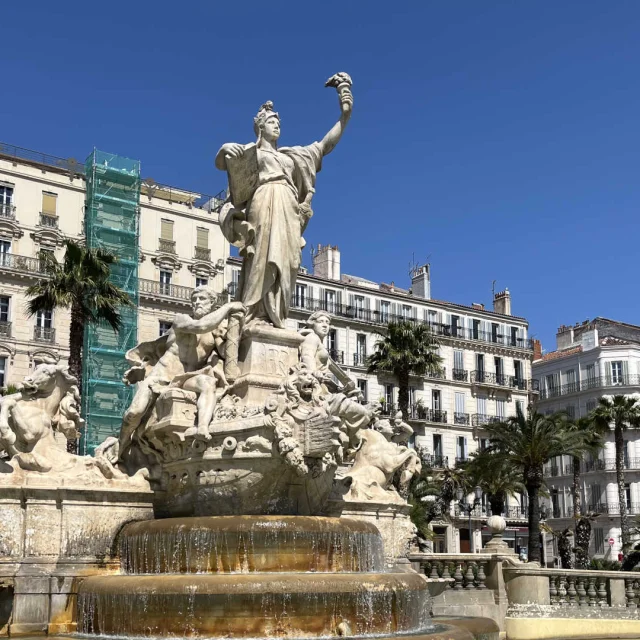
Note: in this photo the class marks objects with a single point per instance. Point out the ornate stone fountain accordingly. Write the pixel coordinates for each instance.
(250, 436)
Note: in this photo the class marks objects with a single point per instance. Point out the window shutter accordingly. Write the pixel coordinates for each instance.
(310, 299)
(339, 299)
(367, 303)
(414, 313)
(49, 201)
(378, 305)
(202, 238)
(166, 229)
(394, 310)
(625, 372)
(607, 370)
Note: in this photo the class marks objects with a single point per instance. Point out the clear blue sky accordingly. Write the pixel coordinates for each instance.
(499, 139)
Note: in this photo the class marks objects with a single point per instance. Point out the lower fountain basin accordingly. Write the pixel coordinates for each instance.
(291, 605)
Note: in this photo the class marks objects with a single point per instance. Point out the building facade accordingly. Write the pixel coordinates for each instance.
(42, 203)
(595, 358)
(486, 365)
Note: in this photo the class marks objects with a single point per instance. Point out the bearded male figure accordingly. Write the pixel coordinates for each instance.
(189, 356)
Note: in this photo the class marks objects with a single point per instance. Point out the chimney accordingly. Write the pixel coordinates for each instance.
(326, 262)
(564, 337)
(537, 349)
(421, 282)
(477, 305)
(502, 302)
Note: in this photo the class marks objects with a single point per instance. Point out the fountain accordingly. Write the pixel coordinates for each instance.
(253, 442)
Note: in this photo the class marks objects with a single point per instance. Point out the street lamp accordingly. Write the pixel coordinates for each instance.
(467, 508)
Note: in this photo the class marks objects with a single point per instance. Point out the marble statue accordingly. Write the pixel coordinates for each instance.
(270, 205)
(190, 356)
(35, 425)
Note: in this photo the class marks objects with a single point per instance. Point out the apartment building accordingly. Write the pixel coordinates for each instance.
(486, 373)
(44, 201)
(592, 359)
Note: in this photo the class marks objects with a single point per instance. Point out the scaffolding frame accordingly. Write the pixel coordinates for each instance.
(112, 223)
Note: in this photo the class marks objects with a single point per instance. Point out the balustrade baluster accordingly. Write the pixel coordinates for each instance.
(457, 576)
(582, 592)
(553, 590)
(434, 570)
(629, 593)
(482, 576)
(592, 593)
(469, 577)
(602, 592)
(571, 591)
(449, 572)
(562, 592)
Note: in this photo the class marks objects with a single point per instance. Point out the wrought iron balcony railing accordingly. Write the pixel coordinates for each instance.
(419, 412)
(166, 246)
(433, 461)
(359, 359)
(384, 317)
(5, 329)
(201, 253)
(8, 211)
(388, 409)
(628, 380)
(479, 419)
(48, 220)
(460, 375)
(461, 418)
(44, 334)
(336, 356)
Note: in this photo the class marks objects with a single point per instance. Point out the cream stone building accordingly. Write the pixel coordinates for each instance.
(42, 203)
(592, 359)
(486, 354)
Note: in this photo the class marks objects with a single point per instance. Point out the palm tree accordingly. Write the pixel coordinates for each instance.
(529, 443)
(592, 434)
(80, 283)
(622, 412)
(497, 477)
(405, 349)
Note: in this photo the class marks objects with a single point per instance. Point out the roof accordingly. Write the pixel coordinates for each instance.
(555, 355)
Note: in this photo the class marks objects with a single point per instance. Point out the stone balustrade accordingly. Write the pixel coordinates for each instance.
(464, 571)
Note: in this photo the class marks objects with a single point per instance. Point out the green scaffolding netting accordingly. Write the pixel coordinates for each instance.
(111, 223)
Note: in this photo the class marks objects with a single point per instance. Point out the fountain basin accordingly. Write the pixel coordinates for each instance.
(254, 605)
(243, 544)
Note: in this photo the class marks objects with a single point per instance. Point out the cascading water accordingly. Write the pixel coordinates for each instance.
(253, 576)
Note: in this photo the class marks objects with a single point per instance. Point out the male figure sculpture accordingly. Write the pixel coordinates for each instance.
(190, 356)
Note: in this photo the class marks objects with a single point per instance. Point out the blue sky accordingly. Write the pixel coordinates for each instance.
(498, 139)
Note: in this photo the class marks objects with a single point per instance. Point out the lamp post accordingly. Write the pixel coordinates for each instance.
(467, 507)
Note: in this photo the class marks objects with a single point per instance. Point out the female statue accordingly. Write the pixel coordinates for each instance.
(270, 192)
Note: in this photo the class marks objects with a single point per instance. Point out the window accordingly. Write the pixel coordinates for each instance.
(616, 372)
(483, 443)
(412, 396)
(459, 404)
(44, 319)
(598, 540)
(363, 388)
(517, 370)
(388, 394)
(455, 325)
(166, 229)
(481, 405)
(591, 405)
(497, 362)
(475, 331)
(596, 497)
(202, 238)
(5, 251)
(553, 384)
(164, 326)
(436, 400)
(571, 410)
(49, 203)
(330, 300)
(6, 199)
(494, 331)
(571, 380)
(461, 448)
(519, 407)
(627, 495)
(358, 303)
(591, 375)
(437, 445)
(202, 282)
(361, 349)
(4, 308)
(514, 336)
(500, 409)
(3, 371)
(432, 318)
(165, 282)
(332, 341)
(407, 312)
(301, 296)
(479, 367)
(385, 305)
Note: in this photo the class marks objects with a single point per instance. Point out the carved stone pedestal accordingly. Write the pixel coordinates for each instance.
(265, 356)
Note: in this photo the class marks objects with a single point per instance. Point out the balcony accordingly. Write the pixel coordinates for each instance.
(384, 317)
(162, 290)
(166, 246)
(461, 418)
(48, 220)
(5, 329)
(461, 461)
(199, 253)
(7, 211)
(44, 334)
(359, 359)
(613, 508)
(480, 419)
(336, 356)
(629, 380)
(460, 375)
(487, 378)
(22, 265)
(419, 412)
(436, 461)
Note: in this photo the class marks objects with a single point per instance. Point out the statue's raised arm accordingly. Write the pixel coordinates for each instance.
(270, 192)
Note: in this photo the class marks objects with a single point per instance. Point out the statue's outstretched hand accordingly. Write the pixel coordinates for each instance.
(233, 150)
